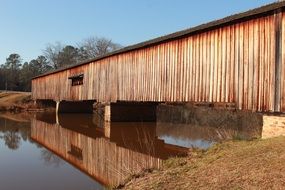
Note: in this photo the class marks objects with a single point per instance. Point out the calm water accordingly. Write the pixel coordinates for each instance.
(73, 151)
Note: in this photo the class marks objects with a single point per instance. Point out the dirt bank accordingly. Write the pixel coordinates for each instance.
(16, 101)
(257, 164)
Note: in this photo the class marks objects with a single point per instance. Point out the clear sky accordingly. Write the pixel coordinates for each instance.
(27, 26)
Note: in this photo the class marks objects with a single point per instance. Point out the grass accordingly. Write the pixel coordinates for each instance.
(258, 164)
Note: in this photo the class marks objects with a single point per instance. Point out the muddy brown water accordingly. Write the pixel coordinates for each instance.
(80, 151)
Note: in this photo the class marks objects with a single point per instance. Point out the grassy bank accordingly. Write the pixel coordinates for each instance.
(258, 164)
(15, 101)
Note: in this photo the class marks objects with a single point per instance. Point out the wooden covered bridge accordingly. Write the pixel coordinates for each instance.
(239, 59)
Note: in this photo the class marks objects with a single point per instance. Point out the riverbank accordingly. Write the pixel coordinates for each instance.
(257, 164)
(16, 101)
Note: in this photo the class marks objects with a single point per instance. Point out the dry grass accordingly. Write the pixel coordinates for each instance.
(14, 101)
(258, 164)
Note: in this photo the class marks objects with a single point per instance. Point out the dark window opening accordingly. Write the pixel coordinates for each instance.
(76, 79)
(76, 152)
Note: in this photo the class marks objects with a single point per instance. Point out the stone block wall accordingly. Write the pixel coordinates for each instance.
(273, 125)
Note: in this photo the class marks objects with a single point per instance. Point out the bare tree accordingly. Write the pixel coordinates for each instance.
(59, 55)
(52, 53)
(95, 47)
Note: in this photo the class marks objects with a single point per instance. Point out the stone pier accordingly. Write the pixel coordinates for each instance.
(273, 126)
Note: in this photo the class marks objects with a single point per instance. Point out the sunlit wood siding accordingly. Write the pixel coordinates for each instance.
(233, 63)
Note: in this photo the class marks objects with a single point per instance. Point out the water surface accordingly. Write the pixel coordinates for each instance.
(79, 151)
(26, 165)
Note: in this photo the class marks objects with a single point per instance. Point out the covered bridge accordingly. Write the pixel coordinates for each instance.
(239, 59)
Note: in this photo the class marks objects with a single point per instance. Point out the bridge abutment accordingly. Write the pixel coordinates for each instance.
(273, 126)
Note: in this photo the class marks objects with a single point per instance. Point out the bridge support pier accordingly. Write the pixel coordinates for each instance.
(273, 126)
(130, 112)
(74, 107)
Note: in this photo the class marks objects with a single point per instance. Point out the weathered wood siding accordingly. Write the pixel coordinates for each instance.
(234, 63)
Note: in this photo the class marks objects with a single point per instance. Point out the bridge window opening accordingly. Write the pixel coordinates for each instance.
(76, 80)
(76, 152)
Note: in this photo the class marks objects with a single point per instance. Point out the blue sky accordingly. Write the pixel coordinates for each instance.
(27, 26)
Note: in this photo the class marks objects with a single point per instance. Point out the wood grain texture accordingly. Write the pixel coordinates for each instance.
(230, 64)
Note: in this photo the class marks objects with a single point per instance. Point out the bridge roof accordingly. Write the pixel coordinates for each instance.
(261, 11)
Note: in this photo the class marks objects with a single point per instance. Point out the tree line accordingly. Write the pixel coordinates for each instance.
(16, 75)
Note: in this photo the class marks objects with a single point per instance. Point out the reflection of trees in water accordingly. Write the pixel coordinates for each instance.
(13, 132)
(25, 134)
(12, 139)
(51, 159)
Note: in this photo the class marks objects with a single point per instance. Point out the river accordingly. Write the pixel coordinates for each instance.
(80, 151)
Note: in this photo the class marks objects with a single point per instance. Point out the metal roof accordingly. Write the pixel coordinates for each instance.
(180, 34)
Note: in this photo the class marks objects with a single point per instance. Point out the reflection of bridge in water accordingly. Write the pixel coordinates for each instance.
(110, 154)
